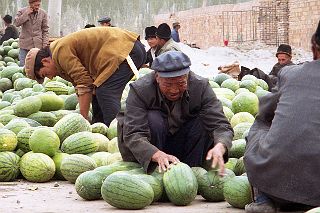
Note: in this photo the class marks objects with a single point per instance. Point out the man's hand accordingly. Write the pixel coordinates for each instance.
(163, 160)
(216, 154)
(29, 10)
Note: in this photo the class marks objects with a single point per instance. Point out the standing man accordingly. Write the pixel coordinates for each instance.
(175, 31)
(173, 115)
(105, 21)
(282, 152)
(150, 33)
(34, 28)
(165, 42)
(10, 31)
(94, 60)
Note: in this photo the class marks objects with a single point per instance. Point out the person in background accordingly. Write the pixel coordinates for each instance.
(105, 21)
(150, 36)
(282, 151)
(165, 42)
(10, 30)
(89, 26)
(173, 115)
(94, 60)
(34, 28)
(175, 31)
(284, 56)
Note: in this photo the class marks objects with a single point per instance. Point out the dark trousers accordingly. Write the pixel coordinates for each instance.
(106, 101)
(189, 144)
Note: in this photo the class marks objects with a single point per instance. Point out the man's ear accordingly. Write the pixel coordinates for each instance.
(157, 77)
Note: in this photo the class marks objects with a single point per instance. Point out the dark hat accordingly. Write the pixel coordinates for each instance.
(89, 25)
(105, 19)
(171, 64)
(163, 31)
(175, 24)
(150, 32)
(7, 19)
(284, 49)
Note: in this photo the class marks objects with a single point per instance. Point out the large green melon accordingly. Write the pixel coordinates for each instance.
(112, 130)
(51, 102)
(241, 117)
(8, 140)
(220, 78)
(23, 139)
(101, 158)
(28, 106)
(155, 183)
(80, 143)
(246, 102)
(180, 184)
(126, 191)
(237, 149)
(9, 166)
(231, 83)
(37, 167)
(88, 185)
(237, 191)
(99, 128)
(57, 159)
(44, 140)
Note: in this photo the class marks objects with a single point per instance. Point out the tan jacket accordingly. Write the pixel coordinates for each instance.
(34, 29)
(90, 56)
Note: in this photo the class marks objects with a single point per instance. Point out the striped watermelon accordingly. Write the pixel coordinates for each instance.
(57, 87)
(6, 118)
(156, 184)
(99, 128)
(88, 185)
(37, 167)
(102, 141)
(70, 124)
(180, 184)
(51, 102)
(44, 140)
(61, 113)
(74, 165)
(126, 191)
(237, 191)
(71, 102)
(16, 125)
(113, 145)
(117, 166)
(44, 118)
(27, 106)
(9, 166)
(57, 159)
(8, 140)
(112, 130)
(80, 143)
(239, 168)
(23, 138)
(101, 158)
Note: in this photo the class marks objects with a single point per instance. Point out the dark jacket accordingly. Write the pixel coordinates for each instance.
(258, 74)
(149, 58)
(10, 32)
(277, 67)
(198, 101)
(283, 146)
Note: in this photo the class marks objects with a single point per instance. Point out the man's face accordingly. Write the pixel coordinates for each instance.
(160, 42)
(172, 88)
(48, 70)
(104, 24)
(35, 6)
(152, 42)
(283, 59)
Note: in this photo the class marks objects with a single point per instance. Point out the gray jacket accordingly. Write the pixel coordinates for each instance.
(283, 145)
(198, 101)
(168, 46)
(34, 29)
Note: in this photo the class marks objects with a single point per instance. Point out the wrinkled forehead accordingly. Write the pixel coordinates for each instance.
(176, 79)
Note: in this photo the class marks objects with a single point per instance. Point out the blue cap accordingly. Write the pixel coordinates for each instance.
(171, 64)
(105, 19)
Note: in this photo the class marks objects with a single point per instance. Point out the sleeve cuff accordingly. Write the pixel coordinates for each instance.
(82, 89)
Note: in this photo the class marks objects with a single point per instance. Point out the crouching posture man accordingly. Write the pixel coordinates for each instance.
(173, 115)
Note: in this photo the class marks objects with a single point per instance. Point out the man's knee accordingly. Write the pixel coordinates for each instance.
(156, 120)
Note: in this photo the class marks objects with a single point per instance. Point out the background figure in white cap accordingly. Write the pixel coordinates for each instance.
(94, 61)
(175, 31)
(173, 115)
(105, 21)
(34, 28)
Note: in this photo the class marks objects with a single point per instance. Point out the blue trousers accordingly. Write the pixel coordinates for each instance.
(22, 56)
(106, 101)
(189, 144)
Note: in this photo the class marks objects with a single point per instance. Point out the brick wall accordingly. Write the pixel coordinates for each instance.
(208, 26)
(303, 21)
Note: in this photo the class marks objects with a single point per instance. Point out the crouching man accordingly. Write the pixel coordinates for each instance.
(173, 115)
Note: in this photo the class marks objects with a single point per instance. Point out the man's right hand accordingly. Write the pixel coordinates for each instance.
(29, 10)
(164, 160)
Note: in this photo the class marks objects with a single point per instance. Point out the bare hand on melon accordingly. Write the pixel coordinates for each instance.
(164, 160)
(216, 154)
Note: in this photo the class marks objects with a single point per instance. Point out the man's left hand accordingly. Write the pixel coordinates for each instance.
(216, 154)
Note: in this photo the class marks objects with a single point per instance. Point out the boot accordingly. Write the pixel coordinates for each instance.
(261, 205)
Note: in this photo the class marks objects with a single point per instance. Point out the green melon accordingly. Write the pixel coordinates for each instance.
(237, 191)
(28, 106)
(250, 77)
(221, 77)
(155, 183)
(231, 163)
(9, 166)
(57, 159)
(126, 191)
(37, 167)
(6, 118)
(241, 117)
(237, 149)
(71, 102)
(22, 83)
(249, 84)
(112, 130)
(88, 185)
(263, 84)
(240, 90)
(225, 102)
(4, 104)
(213, 84)
(314, 210)
(199, 172)
(51, 102)
(239, 129)
(224, 92)
(115, 157)
(5, 84)
(23, 138)
(180, 184)
(102, 141)
(117, 166)
(74, 165)
(15, 45)
(80, 143)
(211, 185)
(246, 102)
(44, 140)
(113, 145)
(231, 83)
(71, 124)
(57, 87)
(261, 92)
(99, 128)
(61, 113)
(101, 158)
(44, 118)
(228, 113)
(17, 76)
(37, 88)
(9, 71)
(16, 125)
(8, 140)
(239, 168)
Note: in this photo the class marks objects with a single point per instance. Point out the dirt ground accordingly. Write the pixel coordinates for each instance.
(61, 197)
